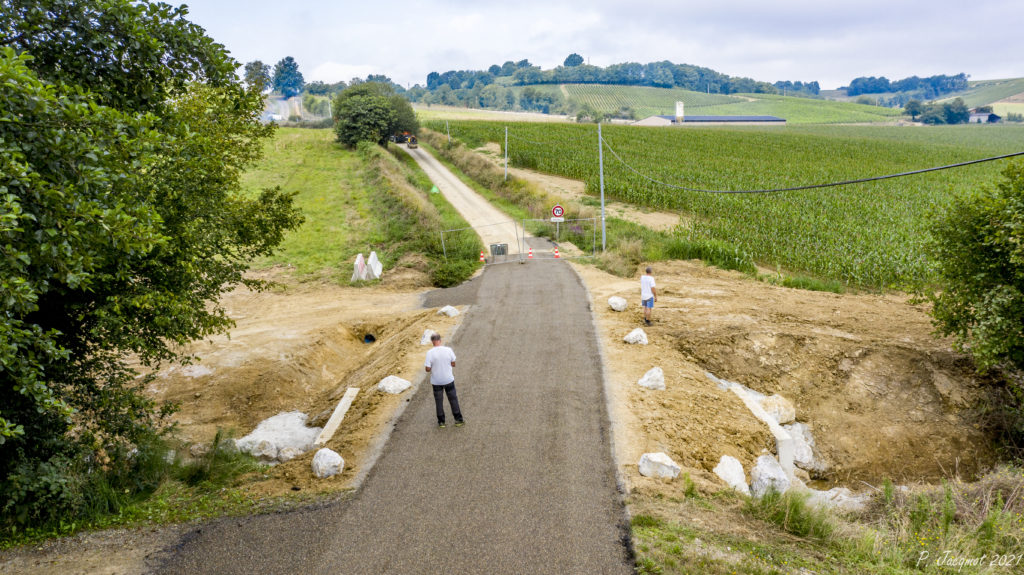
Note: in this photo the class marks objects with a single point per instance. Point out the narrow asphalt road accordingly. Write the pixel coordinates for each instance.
(527, 486)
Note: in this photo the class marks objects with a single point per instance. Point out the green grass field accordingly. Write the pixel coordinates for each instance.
(870, 235)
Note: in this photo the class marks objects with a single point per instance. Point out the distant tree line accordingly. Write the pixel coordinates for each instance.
(926, 88)
(664, 74)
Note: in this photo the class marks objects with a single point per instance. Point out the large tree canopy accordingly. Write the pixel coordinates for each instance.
(123, 134)
(372, 111)
(287, 78)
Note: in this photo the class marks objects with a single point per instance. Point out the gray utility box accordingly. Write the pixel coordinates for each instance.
(499, 249)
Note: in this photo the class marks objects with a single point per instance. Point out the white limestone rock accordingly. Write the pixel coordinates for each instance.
(803, 447)
(284, 430)
(658, 465)
(636, 336)
(779, 408)
(425, 340)
(839, 498)
(653, 379)
(264, 449)
(288, 453)
(327, 463)
(393, 384)
(730, 470)
(617, 303)
(767, 475)
(448, 310)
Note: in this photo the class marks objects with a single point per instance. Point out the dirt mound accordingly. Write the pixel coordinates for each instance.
(299, 349)
(882, 396)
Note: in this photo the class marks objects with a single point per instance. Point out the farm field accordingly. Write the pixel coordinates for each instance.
(869, 235)
(645, 101)
(986, 92)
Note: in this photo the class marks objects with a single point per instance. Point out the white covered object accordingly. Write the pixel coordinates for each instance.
(767, 475)
(359, 273)
(658, 465)
(282, 431)
(730, 470)
(426, 336)
(653, 379)
(636, 336)
(374, 268)
(617, 303)
(448, 311)
(327, 463)
(779, 408)
(393, 384)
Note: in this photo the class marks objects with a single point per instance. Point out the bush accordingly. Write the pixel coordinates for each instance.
(452, 272)
(979, 257)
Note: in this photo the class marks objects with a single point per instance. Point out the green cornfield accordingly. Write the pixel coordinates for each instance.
(868, 235)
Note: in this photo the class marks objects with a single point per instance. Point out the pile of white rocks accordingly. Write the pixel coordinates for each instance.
(280, 438)
(797, 455)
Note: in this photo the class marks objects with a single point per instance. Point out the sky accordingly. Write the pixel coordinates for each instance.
(829, 41)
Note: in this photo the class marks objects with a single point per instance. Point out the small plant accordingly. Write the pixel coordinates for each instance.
(689, 487)
(792, 512)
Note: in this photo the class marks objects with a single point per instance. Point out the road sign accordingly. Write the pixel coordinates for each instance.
(557, 211)
(557, 219)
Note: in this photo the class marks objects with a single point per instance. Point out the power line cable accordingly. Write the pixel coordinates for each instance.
(807, 187)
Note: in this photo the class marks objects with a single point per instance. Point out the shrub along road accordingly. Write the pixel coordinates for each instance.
(527, 486)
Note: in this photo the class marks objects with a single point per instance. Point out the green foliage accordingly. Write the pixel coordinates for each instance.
(128, 55)
(372, 112)
(122, 223)
(979, 257)
(218, 466)
(452, 273)
(792, 512)
(257, 75)
(287, 78)
(573, 59)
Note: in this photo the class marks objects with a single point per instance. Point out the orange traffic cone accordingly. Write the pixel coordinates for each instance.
(531, 254)
(481, 255)
(556, 253)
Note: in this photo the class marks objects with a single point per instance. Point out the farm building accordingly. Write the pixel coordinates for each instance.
(983, 118)
(682, 119)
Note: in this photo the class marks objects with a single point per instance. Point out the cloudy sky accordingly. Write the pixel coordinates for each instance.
(831, 41)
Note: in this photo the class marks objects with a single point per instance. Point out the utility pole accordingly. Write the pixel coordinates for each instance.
(506, 153)
(600, 164)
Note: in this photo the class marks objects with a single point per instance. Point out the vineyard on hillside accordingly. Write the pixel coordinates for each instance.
(645, 101)
(868, 235)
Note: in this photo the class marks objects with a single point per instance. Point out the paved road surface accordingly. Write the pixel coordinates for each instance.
(527, 486)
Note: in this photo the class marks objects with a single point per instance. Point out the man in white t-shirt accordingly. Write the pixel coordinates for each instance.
(440, 364)
(648, 294)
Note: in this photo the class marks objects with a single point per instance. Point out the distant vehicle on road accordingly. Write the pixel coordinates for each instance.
(412, 142)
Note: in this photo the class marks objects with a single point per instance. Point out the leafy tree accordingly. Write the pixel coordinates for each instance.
(257, 75)
(979, 255)
(122, 222)
(573, 60)
(495, 70)
(914, 108)
(956, 112)
(372, 112)
(287, 78)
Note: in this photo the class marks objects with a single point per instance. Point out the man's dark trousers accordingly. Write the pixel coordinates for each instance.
(453, 399)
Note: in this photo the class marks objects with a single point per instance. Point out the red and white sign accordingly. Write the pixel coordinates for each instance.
(557, 211)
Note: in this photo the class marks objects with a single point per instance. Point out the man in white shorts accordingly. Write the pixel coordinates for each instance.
(648, 294)
(440, 364)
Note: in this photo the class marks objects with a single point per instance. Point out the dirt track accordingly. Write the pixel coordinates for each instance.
(527, 486)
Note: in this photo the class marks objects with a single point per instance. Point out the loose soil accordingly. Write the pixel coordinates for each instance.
(883, 397)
